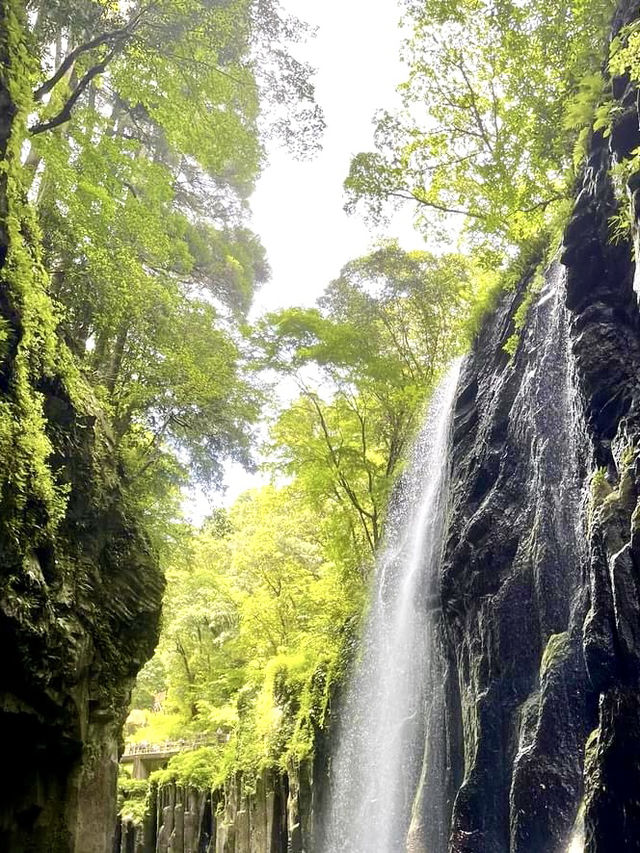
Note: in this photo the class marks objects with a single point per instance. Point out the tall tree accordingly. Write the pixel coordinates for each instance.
(380, 338)
(145, 143)
(482, 133)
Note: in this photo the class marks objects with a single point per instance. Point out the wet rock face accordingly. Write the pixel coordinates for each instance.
(510, 581)
(541, 574)
(608, 322)
(78, 618)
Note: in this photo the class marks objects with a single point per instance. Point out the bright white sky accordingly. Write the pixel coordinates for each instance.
(298, 206)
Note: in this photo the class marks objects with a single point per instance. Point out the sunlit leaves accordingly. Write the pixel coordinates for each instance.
(141, 200)
(482, 133)
(365, 362)
(254, 609)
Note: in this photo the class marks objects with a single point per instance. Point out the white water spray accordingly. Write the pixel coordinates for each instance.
(376, 766)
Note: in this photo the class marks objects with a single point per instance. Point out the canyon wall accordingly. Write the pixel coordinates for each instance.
(540, 622)
(80, 589)
(273, 815)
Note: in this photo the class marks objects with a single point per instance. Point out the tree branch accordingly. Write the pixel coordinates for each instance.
(409, 196)
(362, 512)
(70, 59)
(65, 113)
(474, 106)
(541, 204)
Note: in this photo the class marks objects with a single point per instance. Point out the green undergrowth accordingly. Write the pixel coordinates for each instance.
(199, 768)
(532, 263)
(533, 288)
(607, 499)
(260, 617)
(276, 726)
(133, 798)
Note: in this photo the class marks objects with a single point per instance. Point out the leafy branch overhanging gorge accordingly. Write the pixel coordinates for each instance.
(483, 132)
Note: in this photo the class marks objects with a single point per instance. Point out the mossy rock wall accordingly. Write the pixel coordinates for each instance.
(274, 815)
(540, 619)
(80, 590)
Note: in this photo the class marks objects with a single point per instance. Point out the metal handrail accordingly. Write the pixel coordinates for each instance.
(174, 746)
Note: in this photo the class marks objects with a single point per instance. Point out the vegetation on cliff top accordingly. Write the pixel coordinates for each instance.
(497, 95)
(145, 144)
(263, 605)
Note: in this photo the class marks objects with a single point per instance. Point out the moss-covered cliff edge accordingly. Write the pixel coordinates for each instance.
(80, 589)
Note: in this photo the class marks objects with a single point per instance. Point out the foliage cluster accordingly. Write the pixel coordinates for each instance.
(263, 607)
(496, 98)
(624, 59)
(146, 129)
(381, 335)
(32, 501)
(254, 633)
(132, 798)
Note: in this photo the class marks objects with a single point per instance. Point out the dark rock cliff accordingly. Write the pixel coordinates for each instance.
(539, 629)
(540, 623)
(80, 590)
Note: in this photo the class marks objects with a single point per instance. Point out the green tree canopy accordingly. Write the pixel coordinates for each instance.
(482, 132)
(365, 361)
(145, 141)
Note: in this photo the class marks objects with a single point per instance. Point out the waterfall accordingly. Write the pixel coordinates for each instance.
(377, 761)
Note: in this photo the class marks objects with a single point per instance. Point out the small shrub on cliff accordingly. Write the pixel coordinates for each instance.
(132, 798)
(199, 768)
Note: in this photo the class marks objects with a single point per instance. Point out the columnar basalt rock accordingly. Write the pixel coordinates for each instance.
(516, 688)
(541, 577)
(606, 340)
(273, 816)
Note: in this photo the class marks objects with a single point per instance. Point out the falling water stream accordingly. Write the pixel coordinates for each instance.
(386, 792)
(377, 762)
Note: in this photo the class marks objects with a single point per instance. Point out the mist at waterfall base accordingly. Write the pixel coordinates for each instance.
(377, 763)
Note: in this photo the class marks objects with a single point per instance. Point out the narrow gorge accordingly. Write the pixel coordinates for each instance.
(489, 699)
(529, 738)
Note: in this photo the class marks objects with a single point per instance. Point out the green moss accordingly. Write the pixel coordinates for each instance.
(30, 351)
(558, 648)
(607, 501)
(199, 768)
(591, 751)
(599, 488)
(522, 312)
